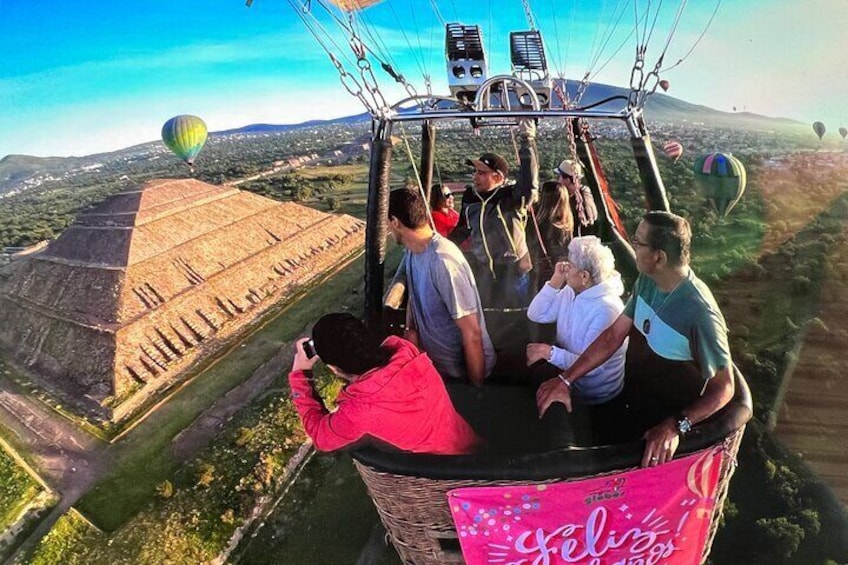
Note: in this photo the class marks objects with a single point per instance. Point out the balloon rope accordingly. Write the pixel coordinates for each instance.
(417, 176)
(697, 41)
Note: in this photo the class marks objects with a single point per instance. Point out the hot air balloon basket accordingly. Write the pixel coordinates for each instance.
(415, 513)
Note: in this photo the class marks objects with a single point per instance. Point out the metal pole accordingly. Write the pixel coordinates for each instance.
(376, 226)
(625, 257)
(646, 161)
(428, 156)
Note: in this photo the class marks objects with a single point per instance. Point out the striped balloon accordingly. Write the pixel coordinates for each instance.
(723, 178)
(673, 149)
(185, 136)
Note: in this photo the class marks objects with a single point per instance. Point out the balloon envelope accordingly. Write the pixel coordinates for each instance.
(664, 84)
(723, 179)
(843, 132)
(819, 128)
(353, 5)
(673, 149)
(185, 136)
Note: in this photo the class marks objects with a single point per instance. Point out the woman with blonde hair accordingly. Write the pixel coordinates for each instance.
(550, 230)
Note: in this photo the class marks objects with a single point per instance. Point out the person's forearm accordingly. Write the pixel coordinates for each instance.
(475, 362)
(719, 391)
(320, 425)
(599, 351)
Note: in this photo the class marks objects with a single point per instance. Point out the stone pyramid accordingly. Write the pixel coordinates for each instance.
(153, 280)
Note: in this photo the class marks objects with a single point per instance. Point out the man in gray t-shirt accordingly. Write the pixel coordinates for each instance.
(444, 314)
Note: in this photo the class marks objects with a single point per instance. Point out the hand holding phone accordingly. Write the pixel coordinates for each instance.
(304, 355)
(309, 348)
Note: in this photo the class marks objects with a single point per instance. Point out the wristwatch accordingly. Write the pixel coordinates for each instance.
(684, 424)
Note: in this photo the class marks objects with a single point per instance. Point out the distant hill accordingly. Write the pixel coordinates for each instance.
(15, 168)
(19, 171)
(660, 107)
(272, 128)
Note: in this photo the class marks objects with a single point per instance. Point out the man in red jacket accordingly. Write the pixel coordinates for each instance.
(394, 396)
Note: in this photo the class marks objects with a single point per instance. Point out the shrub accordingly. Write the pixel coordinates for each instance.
(245, 435)
(781, 536)
(165, 489)
(809, 520)
(205, 474)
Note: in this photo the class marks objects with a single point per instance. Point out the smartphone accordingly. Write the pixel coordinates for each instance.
(309, 348)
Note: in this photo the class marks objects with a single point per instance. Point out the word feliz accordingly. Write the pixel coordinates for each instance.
(592, 544)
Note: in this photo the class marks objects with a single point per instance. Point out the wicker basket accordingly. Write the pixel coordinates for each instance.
(415, 513)
(410, 491)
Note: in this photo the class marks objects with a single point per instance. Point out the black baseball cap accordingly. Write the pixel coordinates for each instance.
(490, 162)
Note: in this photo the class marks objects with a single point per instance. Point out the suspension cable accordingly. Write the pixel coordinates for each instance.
(528, 13)
(416, 56)
(606, 38)
(654, 23)
(438, 13)
(697, 41)
(360, 48)
(348, 81)
(416, 175)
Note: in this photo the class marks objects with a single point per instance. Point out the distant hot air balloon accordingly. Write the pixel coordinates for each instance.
(723, 178)
(185, 136)
(673, 149)
(843, 132)
(664, 84)
(819, 128)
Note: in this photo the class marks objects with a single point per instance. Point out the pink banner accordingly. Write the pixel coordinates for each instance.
(641, 517)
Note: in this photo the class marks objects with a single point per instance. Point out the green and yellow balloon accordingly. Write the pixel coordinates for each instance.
(185, 136)
(722, 178)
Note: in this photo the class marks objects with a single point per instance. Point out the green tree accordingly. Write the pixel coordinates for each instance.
(780, 536)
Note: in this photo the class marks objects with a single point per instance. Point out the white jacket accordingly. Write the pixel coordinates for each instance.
(580, 319)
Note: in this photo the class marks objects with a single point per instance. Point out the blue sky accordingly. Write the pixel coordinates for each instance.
(82, 77)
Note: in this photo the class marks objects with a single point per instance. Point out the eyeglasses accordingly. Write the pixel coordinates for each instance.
(448, 194)
(567, 177)
(636, 243)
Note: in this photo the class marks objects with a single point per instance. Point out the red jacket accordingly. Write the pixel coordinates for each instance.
(404, 404)
(445, 222)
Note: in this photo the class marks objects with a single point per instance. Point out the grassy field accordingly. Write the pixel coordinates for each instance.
(17, 489)
(328, 525)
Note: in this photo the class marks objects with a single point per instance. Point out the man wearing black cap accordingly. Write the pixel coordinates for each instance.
(494, 215)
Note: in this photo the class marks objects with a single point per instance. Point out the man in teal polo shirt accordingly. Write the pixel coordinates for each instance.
(680, 320)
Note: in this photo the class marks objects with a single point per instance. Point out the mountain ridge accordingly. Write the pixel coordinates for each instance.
(17, 168)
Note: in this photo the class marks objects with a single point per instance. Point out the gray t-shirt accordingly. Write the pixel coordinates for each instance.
(441, 290)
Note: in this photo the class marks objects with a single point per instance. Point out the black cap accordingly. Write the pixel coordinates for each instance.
(490, 162)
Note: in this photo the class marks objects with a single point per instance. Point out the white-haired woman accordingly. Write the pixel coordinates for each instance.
(583, 297)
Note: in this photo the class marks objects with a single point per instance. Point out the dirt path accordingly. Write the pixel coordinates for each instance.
(66, 457)
(200, 432)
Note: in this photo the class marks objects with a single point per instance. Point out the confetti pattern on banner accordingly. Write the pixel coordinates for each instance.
(652, 516)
